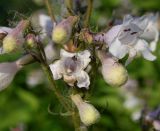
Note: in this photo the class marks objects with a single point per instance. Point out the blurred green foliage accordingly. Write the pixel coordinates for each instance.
(21, 104)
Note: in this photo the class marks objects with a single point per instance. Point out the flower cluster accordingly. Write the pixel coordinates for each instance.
(134, 36)
(66, 49)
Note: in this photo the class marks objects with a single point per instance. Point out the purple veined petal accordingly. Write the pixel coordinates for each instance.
(129, 34)
(143, 48)
(5, 30)
(112, 34)
(64, 54)
(82, 79)
(7, 73)
(118, 50)
(85, 58)
(56, 70)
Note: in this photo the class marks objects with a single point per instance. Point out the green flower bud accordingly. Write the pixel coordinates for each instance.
(62, 32)
(113, 72)
(31, 40)
(14, 40)
(87, 112)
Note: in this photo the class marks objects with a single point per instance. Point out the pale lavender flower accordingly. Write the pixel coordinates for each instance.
(42, 22)
(9, 69)
(71, 67)
(7, 73)
(125, 39)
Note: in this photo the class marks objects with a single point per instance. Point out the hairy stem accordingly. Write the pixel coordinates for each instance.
(76, 120)
(88, 13)
(50, 10)
(61, 98)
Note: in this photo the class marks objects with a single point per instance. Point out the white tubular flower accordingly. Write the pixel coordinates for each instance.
(43, 23)
(88, 113)
(52, 52)
(124, 39)
(7, 73)
(151, 32)
(71, 67)
(46, 24)
(9, 70)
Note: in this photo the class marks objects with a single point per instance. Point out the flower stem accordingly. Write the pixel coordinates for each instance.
(76, 120)
(50, 10)
(61, 98)
(88, 13)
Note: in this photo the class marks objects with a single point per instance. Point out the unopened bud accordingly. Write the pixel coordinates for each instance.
(86, 36)
(87, 112)
(62, 32)
(31, 40)
(113, 72)
(15, 39)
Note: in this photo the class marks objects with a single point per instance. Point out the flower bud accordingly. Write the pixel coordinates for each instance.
(31, 40)
(113, 72)
(86, 36)
(62, 32)
(88, 113)
(14, 40)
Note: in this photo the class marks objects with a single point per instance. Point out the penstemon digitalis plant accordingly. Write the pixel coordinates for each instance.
(79, 49)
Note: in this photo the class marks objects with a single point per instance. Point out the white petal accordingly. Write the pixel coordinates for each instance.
(82, 79)
(51, 52)
(5, 30)
(46, 24)
(127, 19)
(156, 125)
(143, 48)
(7, 73)
(85, 58)
(64, 53)
(112, 34)
(153, 45)
(141, 22)
(132, 54)
(56, 70)
(118, 50)
(1, 50)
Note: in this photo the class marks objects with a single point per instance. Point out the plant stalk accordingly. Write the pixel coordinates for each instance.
(50, 10)
(88, 12)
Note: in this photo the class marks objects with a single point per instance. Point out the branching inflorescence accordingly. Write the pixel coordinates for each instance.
(65, 49)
